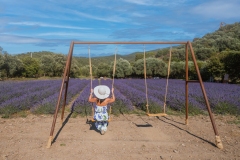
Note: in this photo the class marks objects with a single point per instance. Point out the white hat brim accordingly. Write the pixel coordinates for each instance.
(100, 96)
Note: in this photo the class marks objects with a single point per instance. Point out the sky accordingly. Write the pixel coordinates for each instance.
(51, 25)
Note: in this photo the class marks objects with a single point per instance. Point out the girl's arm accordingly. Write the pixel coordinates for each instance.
(113, 97)
(91, 99)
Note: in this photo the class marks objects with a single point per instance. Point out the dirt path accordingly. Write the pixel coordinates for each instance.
(128, 137)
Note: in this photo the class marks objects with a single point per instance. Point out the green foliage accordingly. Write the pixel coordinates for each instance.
(192, 110)
(75, 70)
(47, 65)
(154, 67)
(215, 67)
(103, 70)
(155, 108)
(31, 67)
(231, 61)
(74, 115)
(44, 109)
(162, 53)
(118, 108)
(10, 66)
(6, 112)
(225, 108)
(123, 68)
(138, 56)
(177, 70)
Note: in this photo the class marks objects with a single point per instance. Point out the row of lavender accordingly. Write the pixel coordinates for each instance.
(34, 95)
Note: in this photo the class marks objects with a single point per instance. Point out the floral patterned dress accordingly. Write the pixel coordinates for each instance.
(101, 117)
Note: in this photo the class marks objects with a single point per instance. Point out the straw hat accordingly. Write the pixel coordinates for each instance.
(101, 91)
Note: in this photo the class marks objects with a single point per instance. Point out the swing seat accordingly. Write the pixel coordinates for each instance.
(157, 114)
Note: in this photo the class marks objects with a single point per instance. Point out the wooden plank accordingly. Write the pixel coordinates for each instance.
(157, 114)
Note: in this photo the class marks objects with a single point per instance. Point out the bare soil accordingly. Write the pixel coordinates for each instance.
(128, 137)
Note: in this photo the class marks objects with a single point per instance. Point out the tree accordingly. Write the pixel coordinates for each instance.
(75, 70)
(161, 53)
(31, 67)
(47, 65)
(103, 70)
(154, 67)
(215, 67)
(232, 65)
(10, 65)
(123, 68)
(138, 56)
(177, 70)
(60, 62)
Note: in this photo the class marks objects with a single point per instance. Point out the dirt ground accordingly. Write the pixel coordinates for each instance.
(128, 137)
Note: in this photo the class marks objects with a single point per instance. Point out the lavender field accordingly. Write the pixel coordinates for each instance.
(40, 96)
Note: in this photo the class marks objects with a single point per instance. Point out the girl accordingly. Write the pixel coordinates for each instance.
(102, 93)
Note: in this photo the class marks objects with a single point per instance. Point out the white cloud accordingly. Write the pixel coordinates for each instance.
(45, 25)
(218, 9)
(73, 34)
(112, 18)
(5, 38)
(156, 2)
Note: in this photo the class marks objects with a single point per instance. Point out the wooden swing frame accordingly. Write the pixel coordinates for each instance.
(188, 45)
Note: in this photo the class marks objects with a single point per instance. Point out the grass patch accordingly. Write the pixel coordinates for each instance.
(234, 120)
(44, 109)
(22, 114)
(62, 144)
(8, 111)
(225, 108)
(74, 115)
(192, 110)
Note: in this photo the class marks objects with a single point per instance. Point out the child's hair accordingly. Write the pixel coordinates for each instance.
(100, 100)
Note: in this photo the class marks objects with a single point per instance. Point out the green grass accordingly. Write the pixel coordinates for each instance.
(7, 112)
(225, 108)
(44, 109)
(235, 121)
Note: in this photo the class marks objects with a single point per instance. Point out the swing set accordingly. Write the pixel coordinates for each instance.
(187, 44)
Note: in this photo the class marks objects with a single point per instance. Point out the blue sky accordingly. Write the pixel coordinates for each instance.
(51, 25)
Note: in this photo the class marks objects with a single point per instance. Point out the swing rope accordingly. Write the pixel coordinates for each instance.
(90, 65)
(90, 73)
(114, 65)
(145, 78)
(168, 73)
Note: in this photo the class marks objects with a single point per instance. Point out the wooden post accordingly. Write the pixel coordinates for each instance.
(67, 68)
(186, 84)
(217, 138)
(66, 86)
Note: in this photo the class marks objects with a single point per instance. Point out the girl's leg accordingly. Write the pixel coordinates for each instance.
(104, 126)
(98, 125)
